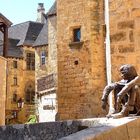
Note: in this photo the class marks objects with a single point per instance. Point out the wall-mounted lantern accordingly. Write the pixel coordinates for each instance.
(20, 103)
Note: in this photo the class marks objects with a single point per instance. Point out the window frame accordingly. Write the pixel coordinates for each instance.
(30, 61)
(14, 99)
(30, 95)
(77, 34)
(15, 64)
(43, 57)
(15, 80)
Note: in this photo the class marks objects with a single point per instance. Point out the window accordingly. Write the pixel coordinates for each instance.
(15, 64)
(30, 95)
(43, 58)
(15, 80)
(14, 97)
(76, 35)
(30, 61)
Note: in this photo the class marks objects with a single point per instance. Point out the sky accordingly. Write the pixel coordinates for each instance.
(18, 11)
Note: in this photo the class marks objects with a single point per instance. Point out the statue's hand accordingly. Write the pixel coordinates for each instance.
(104, 103)
(119, 99)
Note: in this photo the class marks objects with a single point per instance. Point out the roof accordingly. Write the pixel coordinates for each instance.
(53, 10)
(13, 50)
(21, 34)
(4, 20)
(26, 32)
(42, 38)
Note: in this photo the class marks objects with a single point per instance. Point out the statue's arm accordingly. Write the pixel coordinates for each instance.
(107, 91)
(128, 86)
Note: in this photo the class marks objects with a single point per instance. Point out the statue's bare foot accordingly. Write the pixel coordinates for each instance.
(111, 113)
(118, 115)
(138, 113)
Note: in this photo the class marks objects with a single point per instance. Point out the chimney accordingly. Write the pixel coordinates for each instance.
(40, 13)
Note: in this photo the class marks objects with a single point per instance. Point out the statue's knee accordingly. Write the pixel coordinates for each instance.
(136, 88)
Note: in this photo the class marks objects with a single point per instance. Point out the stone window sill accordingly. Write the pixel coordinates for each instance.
(76, 44)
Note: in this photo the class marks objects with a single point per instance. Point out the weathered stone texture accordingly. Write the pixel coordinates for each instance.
(52, 46)
(40, 70)
(124, 29)
(121, 36)
(126, 25)
(40, 131)
(3, 63)
(81, 67)
(51, 52)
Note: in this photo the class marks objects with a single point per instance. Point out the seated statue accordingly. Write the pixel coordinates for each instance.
(133, 90)
(126, 92)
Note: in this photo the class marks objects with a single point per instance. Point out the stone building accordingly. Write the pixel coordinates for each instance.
(20, 88)
(124, 34)
(3, 63)
(78, 41)
(81, 58)
(75, 53)
(4, 25)
(46, 68)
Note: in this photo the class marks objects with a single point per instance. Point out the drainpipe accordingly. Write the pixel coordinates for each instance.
(108, 52)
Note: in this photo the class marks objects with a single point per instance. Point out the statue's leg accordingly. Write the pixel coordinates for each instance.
(115, 92)
(117, 89)
(129, 105)
(137, 104)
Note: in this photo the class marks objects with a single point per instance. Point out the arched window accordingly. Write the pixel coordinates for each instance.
(30, 94)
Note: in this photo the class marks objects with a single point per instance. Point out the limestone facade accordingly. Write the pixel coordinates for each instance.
(19, 80)
(125, 34)
(81, 64)
(3, 63)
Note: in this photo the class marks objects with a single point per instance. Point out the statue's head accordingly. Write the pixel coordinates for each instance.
(128, 72)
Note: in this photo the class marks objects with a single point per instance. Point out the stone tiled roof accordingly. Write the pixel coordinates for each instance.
(52, 10)
(13, 50)
(21, 34)
(42, 38)
(26, 32)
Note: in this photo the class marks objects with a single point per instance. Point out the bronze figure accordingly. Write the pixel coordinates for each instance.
(126, 92)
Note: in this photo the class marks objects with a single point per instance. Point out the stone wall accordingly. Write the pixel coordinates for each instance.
(52, 47)
(126, 128)
(40, 131)
(3, 63)
(81, 66)
(125, 34)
